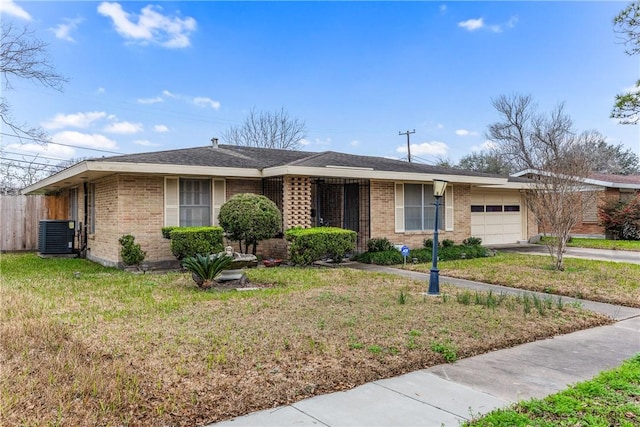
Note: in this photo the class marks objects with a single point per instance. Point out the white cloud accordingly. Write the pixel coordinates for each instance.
(160, 128)
(169, 94)
(145, 143)
(101, 90)
(476, 24)
(440, 126)
(123, 128)
(84, 140)
(472, 24)
(150, 100)
(50, 150)
(464, 132)
(63, 31)
(203, 101)
(150, 26)
(485, 146)
(433, 148)
(354, 143)
(78, 120)
(443, 8)
(10, 8)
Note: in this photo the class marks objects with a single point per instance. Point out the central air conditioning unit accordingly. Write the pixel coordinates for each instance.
(56, 236)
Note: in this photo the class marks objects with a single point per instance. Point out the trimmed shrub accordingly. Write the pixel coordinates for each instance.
(423, 255)
(250, 218)
(131, 252)
(447, 243)
(190, 241)
(379, 244)
(472, 241)
(389, 257)
(427, 243)
(166, 231)
(313, 244)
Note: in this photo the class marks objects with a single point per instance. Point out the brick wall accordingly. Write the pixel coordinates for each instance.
(239, 186)
(383, 216)
(103, 246)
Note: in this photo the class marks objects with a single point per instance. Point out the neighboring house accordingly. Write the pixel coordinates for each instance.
(608, 188)
(139, 194)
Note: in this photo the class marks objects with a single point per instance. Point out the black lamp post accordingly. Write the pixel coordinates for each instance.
(434, 278)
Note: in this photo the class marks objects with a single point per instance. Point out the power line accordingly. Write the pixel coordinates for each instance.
(408, 142)
(27, 162)
(36, 156)
(59, 143)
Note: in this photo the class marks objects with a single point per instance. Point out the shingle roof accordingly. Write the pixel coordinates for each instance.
(260, 158)
(619, 179)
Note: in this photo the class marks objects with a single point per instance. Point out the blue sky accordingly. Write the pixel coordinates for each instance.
(146, 76)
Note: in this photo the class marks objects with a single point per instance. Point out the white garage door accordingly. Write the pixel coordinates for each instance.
(496, 217)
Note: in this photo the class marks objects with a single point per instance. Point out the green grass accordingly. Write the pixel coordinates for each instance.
(621, 245)
(610, 399)
(611, 282)
(108, 347)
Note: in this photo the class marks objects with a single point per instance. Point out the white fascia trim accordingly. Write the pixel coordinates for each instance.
(382, 175)
(166, 169)
(597, 182)
(141, 168)
(63, 175)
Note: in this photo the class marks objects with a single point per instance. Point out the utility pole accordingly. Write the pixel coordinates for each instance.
(408, 143)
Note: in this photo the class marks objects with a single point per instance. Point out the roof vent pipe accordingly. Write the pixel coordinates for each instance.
(214, 142)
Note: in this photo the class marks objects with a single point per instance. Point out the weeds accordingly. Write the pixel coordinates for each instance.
(446, 348)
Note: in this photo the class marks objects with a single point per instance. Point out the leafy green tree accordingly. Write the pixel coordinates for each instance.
(627, 26)
(487, 161)
(248, 218)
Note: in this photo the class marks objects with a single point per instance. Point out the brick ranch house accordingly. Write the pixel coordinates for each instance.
(608, 188)
(139, 194)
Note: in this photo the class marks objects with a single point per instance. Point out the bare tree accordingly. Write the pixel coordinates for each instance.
(268, 130)
(547, 146)
(22, 171)
(627, 26)
(23, 56)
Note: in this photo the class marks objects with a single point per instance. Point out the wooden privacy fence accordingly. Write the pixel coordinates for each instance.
(20, 217)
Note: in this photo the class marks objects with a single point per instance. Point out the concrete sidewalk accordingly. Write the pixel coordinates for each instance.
(446, 395)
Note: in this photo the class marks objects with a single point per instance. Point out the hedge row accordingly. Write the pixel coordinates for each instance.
(192, 241)
(313, 244)
(423, 255)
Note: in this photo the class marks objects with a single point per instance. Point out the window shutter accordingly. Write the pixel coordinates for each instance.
(448, 208)
(399, 196)
(171, 202)
(218, 197)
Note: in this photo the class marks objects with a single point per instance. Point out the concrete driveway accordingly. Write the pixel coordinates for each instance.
(595, 254)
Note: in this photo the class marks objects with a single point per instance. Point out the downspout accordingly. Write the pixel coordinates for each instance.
(83, 237)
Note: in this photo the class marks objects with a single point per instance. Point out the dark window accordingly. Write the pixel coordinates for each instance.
(511, 208)
(494, 208)
(477, 208)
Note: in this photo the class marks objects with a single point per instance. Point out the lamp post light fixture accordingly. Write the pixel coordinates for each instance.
(434, 278)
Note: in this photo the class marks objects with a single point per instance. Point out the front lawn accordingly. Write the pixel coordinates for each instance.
(610, 399)
(612, 282)
(82, 344)
(622, 245)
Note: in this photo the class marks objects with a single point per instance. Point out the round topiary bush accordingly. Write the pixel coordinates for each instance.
(249, 218)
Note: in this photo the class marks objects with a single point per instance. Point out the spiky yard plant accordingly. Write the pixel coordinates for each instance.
(205, 269)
